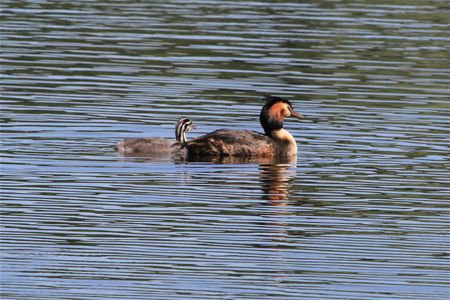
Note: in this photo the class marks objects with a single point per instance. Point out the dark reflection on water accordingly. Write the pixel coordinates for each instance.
(276, 179)
(361, 214)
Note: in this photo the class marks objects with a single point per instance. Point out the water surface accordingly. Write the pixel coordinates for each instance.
(362, 213)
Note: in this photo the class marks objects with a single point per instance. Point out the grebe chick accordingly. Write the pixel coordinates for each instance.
(275, 141)
(184, 125)
(149, 146)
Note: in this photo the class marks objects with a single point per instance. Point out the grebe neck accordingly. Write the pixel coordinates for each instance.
(287, 141)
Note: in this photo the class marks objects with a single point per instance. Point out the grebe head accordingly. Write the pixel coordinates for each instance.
(183, 126)
(273, 113)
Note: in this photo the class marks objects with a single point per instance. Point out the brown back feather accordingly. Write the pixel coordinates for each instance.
(226, 142)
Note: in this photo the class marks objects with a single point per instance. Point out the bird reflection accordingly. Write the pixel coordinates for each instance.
(272, 175)
(276, 173)
(276, 178)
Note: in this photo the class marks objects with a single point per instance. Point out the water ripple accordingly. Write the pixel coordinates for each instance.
(365, 204)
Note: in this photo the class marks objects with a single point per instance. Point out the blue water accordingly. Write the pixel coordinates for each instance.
(362, 213)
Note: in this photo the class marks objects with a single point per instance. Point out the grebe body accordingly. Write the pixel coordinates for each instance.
(157, 146)
(275, 141)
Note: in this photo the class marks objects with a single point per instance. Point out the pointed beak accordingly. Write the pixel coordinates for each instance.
(297, 115)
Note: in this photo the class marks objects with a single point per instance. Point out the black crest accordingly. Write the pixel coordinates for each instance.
(271, 100)
(270, 124)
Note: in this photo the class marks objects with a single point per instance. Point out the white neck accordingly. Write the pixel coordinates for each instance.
(289, 146)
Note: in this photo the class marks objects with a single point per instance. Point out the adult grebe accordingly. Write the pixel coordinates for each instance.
(245, 143)
(149, 146)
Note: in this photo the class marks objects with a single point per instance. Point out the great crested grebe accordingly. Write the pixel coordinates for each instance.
(275, 141)
(148, 146)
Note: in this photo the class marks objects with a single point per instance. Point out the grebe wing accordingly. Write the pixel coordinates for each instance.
(227, 142)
